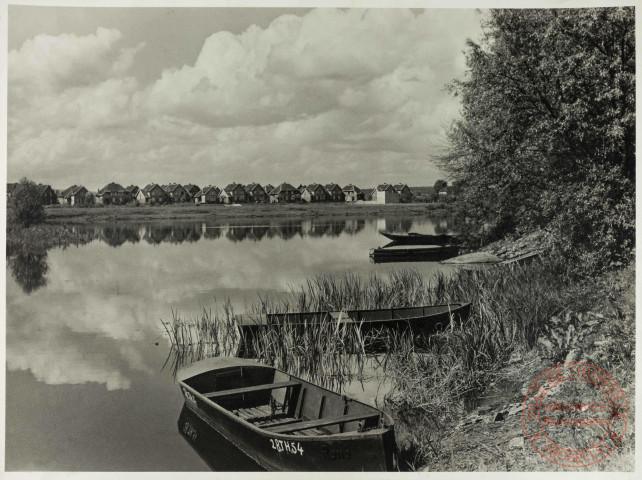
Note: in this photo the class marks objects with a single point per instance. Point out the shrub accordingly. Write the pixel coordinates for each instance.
(25, 207)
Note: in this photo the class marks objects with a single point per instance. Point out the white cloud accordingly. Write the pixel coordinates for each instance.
(333, 86)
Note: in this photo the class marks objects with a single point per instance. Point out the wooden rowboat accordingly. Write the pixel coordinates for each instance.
(201, 436)
(285, 423)
(413, 253)
(419, 238)
(418, 319)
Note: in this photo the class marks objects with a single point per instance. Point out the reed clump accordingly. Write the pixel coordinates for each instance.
(438, 382)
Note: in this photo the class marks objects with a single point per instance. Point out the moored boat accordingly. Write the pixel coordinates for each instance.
(420, 238)
(413, 253)
(285, 423)
(418, 319)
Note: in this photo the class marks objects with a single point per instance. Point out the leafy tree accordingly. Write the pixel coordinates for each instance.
(548, 128)
(24, 206)
(440, 185)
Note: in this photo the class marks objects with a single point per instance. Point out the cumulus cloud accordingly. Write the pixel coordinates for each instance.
(336, 86)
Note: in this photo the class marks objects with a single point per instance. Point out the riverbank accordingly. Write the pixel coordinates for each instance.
(63, 215)
(457, 398)
(464, 397)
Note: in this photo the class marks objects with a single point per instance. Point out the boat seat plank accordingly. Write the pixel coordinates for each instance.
(254, 388)
(322, 422)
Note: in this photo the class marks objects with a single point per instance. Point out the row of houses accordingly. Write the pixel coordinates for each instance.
(153, 193)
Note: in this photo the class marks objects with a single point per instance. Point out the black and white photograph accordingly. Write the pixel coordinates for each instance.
(295, 237)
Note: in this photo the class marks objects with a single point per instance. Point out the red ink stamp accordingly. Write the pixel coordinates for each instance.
(575, 414)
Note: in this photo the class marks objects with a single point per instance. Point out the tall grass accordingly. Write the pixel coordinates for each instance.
(434, 378)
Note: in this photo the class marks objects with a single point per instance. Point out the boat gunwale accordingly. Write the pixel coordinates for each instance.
(323, 314)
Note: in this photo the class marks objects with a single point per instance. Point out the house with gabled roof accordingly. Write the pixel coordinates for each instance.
(255, 193)
(385, 193)
(315, 192)
(176, 193)
(47, 194)
(336, 192)
(133, 190)
(268, 188)
(74, 195)
(209, 194)
(151, 193)
(405, 194)
(192, 190)
(233, 193)
(113, 194)
(352, 193)
(285, 193)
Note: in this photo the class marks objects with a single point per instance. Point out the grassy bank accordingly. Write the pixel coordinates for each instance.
(58, 215)
(524, 319)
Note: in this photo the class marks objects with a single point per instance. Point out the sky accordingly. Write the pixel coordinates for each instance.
(212, 96)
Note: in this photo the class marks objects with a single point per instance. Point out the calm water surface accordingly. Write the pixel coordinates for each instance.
(85, 346)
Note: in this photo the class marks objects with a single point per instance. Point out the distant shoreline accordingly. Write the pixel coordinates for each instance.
(57, 215)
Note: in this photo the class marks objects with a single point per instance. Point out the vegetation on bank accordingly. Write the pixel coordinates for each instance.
(434, 379)
(547, 134)
(73, 215)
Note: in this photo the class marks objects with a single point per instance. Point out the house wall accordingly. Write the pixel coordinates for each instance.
(239, 195)
(351, 196)
(337, 196)
(387, 196)
(179, 195)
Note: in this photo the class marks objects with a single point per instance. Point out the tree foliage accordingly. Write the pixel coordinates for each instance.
(25, 206)
(440, 185)
(547, 133)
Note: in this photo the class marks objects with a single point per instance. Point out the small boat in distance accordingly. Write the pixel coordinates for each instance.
(420, 319)
(412, 253)
(285, 423)
(420, 238)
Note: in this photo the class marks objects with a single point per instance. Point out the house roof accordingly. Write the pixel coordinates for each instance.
(73, 190)
(331, 186)
(400, 186)
(313, 187)
(148, 188)
(283, 187)
(383, 187)
(111, 187)
(208, 189)
(189, 187)
(250, 187)
(132, 189)
(232, 186)
(268, 188)
(351, 188)
(171, 187)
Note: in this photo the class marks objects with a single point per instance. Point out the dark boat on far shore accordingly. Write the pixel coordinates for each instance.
(412, 253)
(285, 423)
(420, 238)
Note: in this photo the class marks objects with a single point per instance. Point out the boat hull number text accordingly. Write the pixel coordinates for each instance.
(285, 446)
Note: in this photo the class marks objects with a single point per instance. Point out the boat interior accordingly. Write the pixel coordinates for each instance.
(280, 404)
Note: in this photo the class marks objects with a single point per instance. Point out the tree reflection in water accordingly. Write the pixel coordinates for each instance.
(29, 270)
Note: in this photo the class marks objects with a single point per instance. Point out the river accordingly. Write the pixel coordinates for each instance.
(85, 384)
